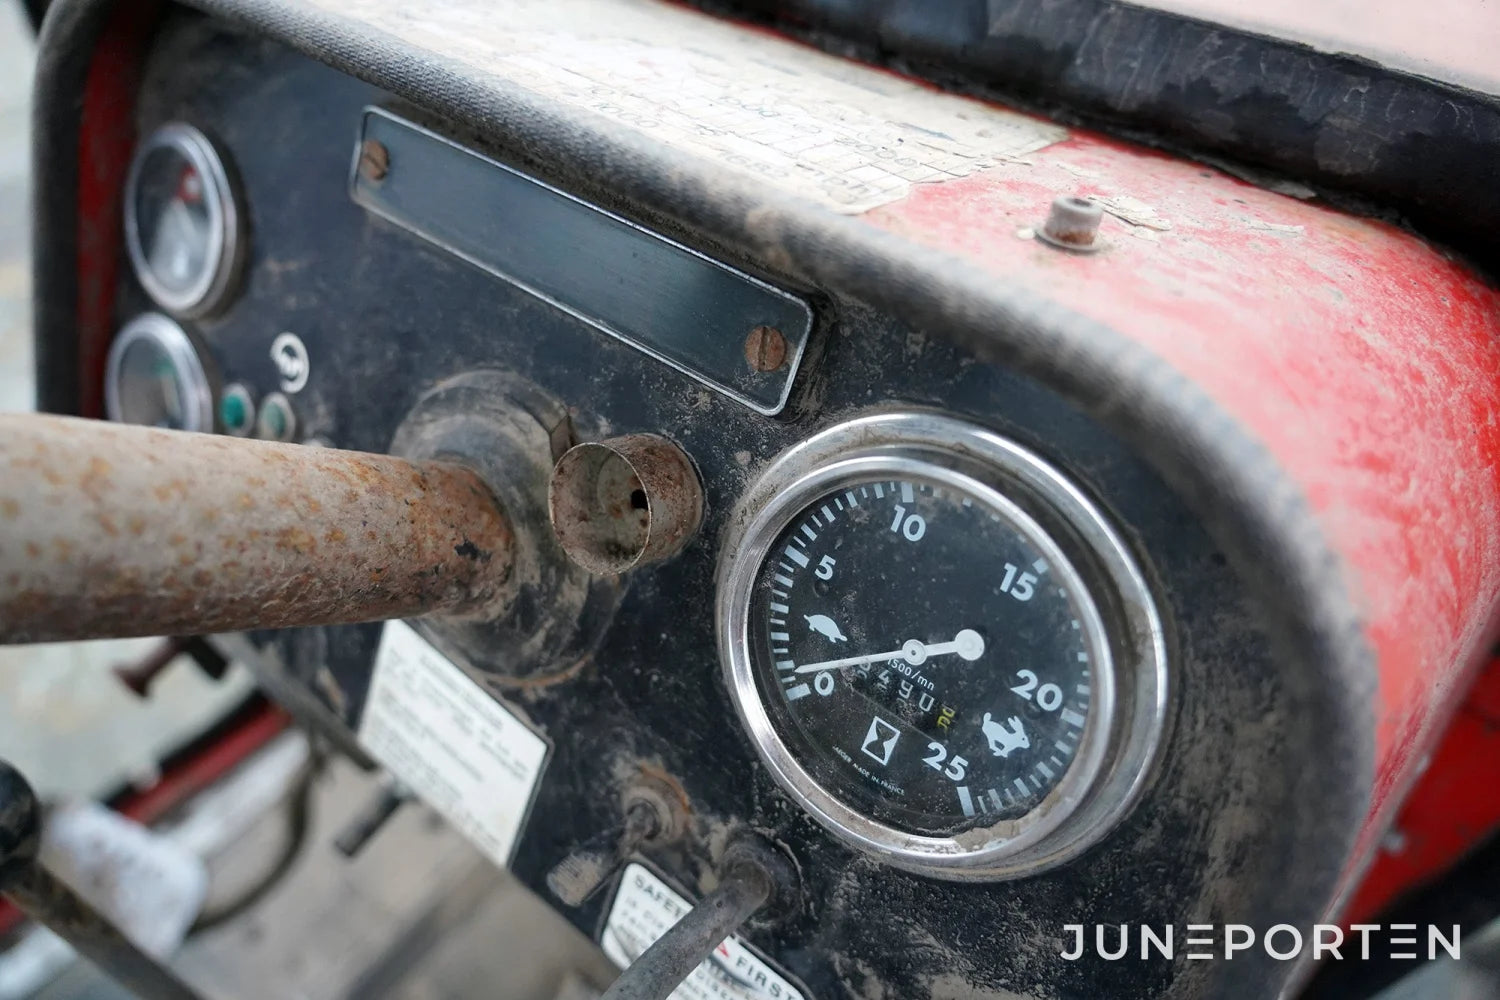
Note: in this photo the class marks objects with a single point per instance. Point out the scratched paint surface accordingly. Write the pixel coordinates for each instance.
(843, 135)
(1365, 359)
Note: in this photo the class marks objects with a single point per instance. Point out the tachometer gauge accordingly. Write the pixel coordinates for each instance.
(155, 377)
(182, 227)
(941, 648)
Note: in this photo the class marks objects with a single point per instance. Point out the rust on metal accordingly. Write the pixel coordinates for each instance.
(374, 160)
(624, 502)
(663, 792)
(110, 530)
(137, 677)
(765, 349)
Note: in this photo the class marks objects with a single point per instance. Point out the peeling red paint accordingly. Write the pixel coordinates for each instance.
(1365, 359)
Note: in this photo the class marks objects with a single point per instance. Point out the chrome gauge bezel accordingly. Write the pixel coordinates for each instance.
(226, 231)
(174, 342)
(1124, 732)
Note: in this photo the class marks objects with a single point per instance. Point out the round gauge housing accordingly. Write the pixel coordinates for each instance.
(941, 647)
(155, 376)
(183, 229)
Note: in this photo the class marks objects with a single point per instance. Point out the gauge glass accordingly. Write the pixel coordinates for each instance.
(940, 647)
(181, 223)
(155, 377)
(929, 650)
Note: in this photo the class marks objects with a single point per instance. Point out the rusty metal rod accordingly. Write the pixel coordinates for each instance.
(45, 899)
(661, 968)
(110, 530)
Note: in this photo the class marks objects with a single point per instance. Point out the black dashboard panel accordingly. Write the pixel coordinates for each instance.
(386, 316)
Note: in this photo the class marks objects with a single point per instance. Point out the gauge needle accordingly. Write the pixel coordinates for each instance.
(968, 644)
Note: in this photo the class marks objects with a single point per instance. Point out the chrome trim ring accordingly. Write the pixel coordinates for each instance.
(196, 394)
(216, 280)
(1126, 724)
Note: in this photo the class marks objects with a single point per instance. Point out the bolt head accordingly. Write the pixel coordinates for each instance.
(765, 349)
(1073, 224)
(374, 160)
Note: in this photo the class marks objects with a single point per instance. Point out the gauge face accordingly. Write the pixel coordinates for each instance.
(927, 651)
(941, 648)
(155, 377)
(181, 225)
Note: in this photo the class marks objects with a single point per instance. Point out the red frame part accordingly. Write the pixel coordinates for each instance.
(1453, 808)
(1366, 360)
(106, 140)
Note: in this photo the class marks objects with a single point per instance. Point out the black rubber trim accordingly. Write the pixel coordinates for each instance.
(1245, 499)
(64, 51)
(1422, 147)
